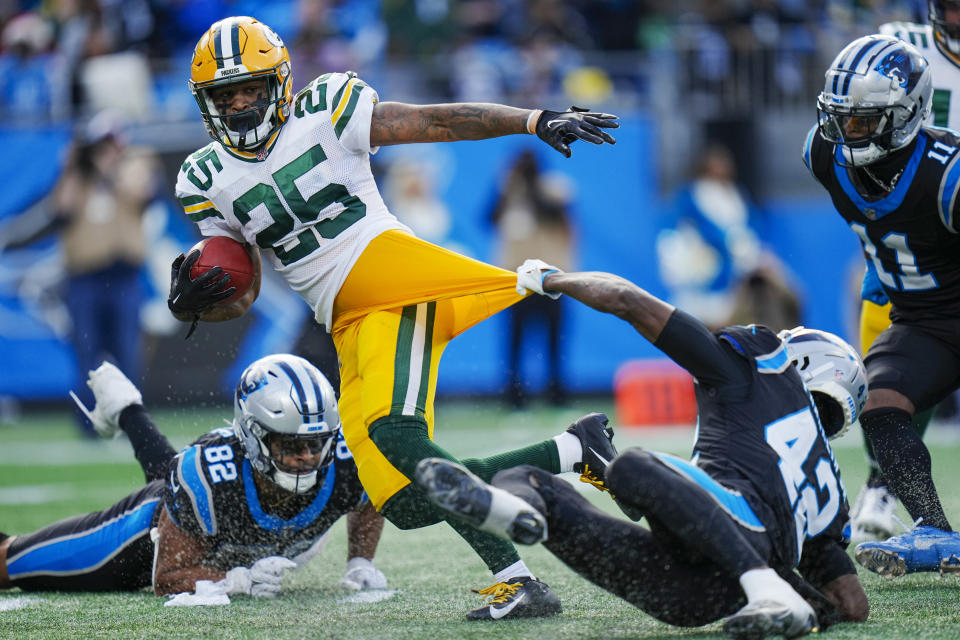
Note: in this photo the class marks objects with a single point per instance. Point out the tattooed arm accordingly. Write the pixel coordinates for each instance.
(399, 123)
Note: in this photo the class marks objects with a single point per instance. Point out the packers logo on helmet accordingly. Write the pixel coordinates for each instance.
(233, 52)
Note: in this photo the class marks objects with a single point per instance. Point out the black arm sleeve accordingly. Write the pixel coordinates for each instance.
(151, 448)
(691, 345)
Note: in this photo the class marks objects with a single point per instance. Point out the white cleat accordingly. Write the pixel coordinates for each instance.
(768, 618)
(873, 516)
(113, 392)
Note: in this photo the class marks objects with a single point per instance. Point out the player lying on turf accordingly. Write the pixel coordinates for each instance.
(239, 507)
(761, 496)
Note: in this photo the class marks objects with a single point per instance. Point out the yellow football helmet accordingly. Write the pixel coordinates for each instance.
(235, 50)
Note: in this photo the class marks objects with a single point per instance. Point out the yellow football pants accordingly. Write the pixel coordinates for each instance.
(402, 302)
(874, 320)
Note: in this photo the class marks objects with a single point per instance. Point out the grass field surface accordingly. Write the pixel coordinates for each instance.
(47, 473)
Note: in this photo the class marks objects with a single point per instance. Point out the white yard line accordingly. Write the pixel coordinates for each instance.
(370, 596)
(17, 602)
(47, 493)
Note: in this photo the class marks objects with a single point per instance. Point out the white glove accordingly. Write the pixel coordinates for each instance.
(530, 277)
(263, 580)
(207, 594)
(362, 575)
(113, 392)
(237, 581)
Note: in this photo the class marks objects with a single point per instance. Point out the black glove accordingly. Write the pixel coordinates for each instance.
(560, 128)
(198, 294)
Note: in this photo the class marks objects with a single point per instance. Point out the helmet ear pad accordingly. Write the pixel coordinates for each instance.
(830, 412)
(833, 373)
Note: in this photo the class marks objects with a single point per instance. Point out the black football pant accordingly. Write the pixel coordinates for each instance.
(683, 571)
(107, 550)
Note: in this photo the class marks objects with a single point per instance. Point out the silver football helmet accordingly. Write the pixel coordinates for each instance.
(877, 94)
(285, 408)
(833, 374)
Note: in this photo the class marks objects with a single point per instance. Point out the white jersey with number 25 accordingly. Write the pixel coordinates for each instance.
(308, 198)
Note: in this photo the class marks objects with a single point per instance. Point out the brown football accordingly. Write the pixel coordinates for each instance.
(229, 255)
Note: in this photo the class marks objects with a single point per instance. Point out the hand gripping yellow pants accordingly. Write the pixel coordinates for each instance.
(402, 302)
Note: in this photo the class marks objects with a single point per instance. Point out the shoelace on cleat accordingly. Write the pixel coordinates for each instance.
(592, 479)
(500, 592)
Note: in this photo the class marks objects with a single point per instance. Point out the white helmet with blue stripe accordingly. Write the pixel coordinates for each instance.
(877, 94)
(285, 412)
(833, 374)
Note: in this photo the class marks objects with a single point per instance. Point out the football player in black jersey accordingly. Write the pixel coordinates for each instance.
(895, 182)
(762, 495)
(238, 507)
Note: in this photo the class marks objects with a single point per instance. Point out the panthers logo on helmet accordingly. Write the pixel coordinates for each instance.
(897, 66)
(249, 383)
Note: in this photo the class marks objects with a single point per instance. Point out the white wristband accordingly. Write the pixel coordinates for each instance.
(357, 562)
(532, 120)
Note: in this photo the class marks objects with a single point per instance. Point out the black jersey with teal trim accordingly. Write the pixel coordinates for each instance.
(758, 432)
(909, 237)
(211, 494)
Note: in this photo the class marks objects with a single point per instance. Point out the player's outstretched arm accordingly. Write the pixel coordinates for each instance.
(400, 123)
(177, 567)
(364, 527)
(615, 295)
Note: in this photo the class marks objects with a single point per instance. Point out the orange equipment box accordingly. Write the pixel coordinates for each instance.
(653, 393)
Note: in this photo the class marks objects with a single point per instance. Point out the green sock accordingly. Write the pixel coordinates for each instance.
(404, 441)
(542, 455)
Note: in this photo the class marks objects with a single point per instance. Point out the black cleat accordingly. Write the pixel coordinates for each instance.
(524, 597)
(763, 619)
(454, 489)
(596, 438)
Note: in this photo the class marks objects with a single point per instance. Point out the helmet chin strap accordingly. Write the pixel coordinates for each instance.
(241, 124)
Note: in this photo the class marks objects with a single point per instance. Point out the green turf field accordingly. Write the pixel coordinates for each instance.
(47, 473)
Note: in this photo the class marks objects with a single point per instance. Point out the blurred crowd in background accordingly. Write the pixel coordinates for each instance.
(712, 87)
(58, 56)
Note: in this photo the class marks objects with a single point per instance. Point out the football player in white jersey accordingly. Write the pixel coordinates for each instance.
(291, 174)
(873, 515)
